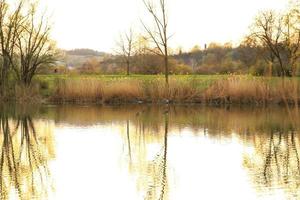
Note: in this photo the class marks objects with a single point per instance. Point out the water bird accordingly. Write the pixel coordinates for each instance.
(166, 101)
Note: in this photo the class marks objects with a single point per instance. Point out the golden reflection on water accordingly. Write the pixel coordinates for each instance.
(26, 148)
(150, 152)
(274, 164)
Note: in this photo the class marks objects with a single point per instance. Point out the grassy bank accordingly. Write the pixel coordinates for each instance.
(182, 89)
(134, 89)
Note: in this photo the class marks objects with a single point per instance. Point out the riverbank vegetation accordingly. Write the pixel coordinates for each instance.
(262, 69)
(217, 89)
(25, 46)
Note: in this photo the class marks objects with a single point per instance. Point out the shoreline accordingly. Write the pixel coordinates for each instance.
(187, 90)
(218, 103)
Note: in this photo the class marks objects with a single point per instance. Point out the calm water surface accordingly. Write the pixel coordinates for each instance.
(149, 152)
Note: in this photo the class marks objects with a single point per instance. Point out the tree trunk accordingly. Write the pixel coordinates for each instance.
(128, 68)
(4, 77)
(293, 68)
(166, 62)
(283, 71)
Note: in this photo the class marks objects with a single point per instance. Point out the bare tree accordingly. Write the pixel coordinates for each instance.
(34, 46)
(280, 35)
(25, 44)
(126, 48)
(160, 35)
(10, 22)
(291, 41)
(267, 31)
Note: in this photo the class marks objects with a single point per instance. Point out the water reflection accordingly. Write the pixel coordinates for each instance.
(151, 170)
(150, 152)
(26, 148)
(270, 143)
(158, 184)
(274, 164)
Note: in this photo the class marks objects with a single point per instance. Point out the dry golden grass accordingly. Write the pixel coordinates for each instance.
(93, 90)
(234, 89)
(289, 91)
(25, 94)
(79, 90)
(238, 89)
(184, 91)
(122, 91)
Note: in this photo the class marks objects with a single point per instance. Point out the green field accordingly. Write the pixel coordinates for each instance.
(51, 78)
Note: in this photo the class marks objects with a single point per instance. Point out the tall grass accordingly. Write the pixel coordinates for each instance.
(26, 94)
(228, 90)
(125, 90)
(78, 90)
(20, 93)
(245, 90)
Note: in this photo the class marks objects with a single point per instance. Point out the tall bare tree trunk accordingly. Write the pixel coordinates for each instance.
(4, 76)
(167, 70)
(159, 36)
(128, 68)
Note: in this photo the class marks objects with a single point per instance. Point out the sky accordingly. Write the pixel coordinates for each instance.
(96, 24)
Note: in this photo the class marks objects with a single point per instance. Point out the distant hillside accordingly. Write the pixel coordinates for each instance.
(84, 52)
(77, 57)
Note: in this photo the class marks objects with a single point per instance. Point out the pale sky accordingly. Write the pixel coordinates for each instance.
(96, 24)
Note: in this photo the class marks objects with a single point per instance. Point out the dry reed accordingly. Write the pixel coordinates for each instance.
(232, 90)
(241, 90)
(27, 94)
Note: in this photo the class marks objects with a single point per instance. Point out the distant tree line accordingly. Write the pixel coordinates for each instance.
(271, 48)
(84, 52)
(215, 59)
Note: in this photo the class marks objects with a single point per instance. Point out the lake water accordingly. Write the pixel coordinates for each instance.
(149, 152)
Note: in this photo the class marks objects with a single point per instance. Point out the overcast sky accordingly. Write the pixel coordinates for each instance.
(97, 23)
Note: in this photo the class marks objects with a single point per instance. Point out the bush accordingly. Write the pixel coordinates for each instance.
(182, 69)
(258, 69)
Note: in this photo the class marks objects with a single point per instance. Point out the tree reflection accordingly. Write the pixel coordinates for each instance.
(271, 142)
(128, 139)
(281, 155)
(151, 172)
(270, 138)
(275, 162)
(24, 157)
(156, 190)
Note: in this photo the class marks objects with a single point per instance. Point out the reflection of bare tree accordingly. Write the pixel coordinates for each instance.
(128, 138)
(164, 166)
(276, 162)
(151, 172)
(24, 159)
(156, 190)
(282, 155)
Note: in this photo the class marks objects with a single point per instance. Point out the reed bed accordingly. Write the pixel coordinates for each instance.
(229, 90)
(27, 94)
(125, 91)
(241, 90)
(78, 90)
